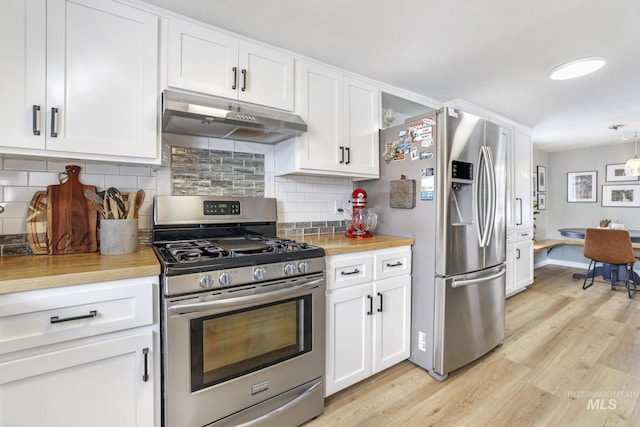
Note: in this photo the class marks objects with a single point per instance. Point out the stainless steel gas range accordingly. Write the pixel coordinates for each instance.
(242, 315)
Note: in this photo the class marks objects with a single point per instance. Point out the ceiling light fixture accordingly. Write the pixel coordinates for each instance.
(632, 167)
(577, 68)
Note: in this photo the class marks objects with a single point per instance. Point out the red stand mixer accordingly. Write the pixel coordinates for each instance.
(362, 220)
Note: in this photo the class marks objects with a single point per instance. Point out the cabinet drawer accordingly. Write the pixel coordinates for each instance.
(392, 262)
(348, 270)
(35, 318)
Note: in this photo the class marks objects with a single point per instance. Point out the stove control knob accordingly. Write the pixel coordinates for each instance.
(225, 279)
(303, 267)
(206, 281)
(258, 273)
(289, 269)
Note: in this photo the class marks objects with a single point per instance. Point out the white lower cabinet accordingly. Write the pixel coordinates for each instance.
(368, 314)
(76, 375)
(519, 262)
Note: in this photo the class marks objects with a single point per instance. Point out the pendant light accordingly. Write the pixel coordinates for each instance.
(632, 167)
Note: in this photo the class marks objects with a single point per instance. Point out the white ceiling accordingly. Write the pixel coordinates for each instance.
(494, 53)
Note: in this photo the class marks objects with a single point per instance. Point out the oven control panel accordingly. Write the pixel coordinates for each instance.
(221, 208)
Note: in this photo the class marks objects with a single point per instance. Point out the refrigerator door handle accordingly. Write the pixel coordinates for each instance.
(491, 183)
(485, 195)
(460, 283)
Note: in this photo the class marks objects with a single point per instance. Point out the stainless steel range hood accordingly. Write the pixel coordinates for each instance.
(187, 114)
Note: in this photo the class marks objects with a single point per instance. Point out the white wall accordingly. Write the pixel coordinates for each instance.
(560, 213)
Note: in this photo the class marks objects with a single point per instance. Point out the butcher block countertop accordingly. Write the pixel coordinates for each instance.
(31, 272)
(338, 243)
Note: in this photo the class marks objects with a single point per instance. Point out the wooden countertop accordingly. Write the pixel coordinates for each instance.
(31, 272)
(338, 243)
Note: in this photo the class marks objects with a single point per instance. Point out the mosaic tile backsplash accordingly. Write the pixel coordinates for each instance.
(197, 171)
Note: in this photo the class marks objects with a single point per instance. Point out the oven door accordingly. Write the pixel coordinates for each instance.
(226, 351)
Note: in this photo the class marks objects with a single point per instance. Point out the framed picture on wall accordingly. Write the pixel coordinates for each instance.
(621, 195)
(542, 178)
(615, 172)
(542, 202)
(582, 186)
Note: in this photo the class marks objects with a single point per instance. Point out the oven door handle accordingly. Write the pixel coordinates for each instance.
(244, 300)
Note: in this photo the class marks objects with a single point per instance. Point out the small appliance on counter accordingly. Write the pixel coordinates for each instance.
(362, 220)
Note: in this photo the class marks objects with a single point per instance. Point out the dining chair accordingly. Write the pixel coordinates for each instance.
(611, 247)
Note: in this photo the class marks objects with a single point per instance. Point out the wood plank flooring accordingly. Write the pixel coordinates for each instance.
(571, 357)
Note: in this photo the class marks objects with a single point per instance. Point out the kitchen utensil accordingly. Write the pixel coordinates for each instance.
(97, 200)
(135, 203)
(37, 224)
(116, 204)
(71, 217)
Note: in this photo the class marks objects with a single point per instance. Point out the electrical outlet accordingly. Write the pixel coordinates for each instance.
(338, 207)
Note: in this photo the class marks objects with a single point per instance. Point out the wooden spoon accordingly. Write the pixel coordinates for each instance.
(137, 203)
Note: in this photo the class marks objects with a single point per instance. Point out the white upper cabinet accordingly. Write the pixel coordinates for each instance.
(341, 113)
(522, 169)
(204, 60)
(83, 82)
(22, 87)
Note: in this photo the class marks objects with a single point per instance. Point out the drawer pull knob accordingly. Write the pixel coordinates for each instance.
(56, 319)
(349, 273)
(397, 264)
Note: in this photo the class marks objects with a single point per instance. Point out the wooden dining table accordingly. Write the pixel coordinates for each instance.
(612, 275)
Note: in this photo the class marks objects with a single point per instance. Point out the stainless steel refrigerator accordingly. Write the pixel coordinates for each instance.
(443, 182)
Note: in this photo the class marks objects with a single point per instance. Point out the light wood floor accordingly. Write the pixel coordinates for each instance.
(570, 358)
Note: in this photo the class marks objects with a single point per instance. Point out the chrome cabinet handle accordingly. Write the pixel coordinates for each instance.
(380, 308)
(54, 116)
(36, 114)
(56, 319)
(348, 155)
(145, 375)
(521, 213)
(244, 80)
(235, 78)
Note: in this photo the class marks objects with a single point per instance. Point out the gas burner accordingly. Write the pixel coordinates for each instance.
(188, 256)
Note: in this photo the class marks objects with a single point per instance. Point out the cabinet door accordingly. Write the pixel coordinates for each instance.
(266, 76)
(362, 108)
(98, 384)
(22, 87)
(349, 318)
(391, 321)
(321, 106)
(522, 191)
(102, 90)
(202, 60)
(524, 263)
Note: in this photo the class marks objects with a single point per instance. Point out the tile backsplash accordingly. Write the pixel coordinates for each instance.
(196, 166)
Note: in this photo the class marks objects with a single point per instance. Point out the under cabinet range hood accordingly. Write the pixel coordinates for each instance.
(186, 114)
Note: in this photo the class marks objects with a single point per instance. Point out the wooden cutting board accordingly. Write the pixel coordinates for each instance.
(37, 224)
(71, 217)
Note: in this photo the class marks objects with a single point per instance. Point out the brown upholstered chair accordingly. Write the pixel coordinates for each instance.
(610, 247)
